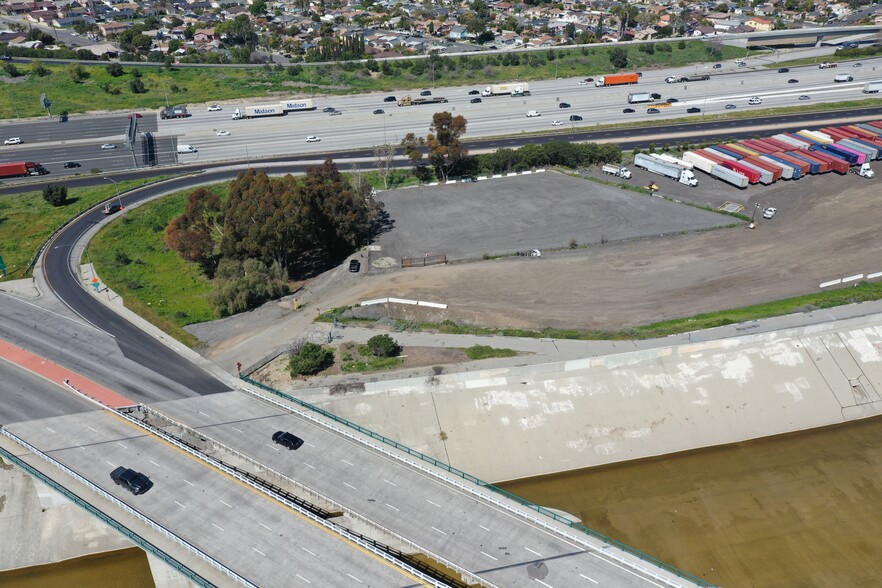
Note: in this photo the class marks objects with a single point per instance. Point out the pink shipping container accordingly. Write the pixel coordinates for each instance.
(861, 156)
(759, 145)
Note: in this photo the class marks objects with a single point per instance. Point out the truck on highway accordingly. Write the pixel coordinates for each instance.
(826, 65)
(21, 169)
(842, 78)
(258, 111)
(682, 79)
(408, 101)
(615, 170)
(616, 80)
(514, 90)
(664, 168)
(872, 88)
(639, 97)
(178, 111)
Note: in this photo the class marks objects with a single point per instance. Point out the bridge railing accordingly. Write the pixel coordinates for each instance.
(481, 483)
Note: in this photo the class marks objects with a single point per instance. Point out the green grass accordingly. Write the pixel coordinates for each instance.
(367, 363)
(26, 220)
(21, 96)
(840, 55)
(131, 256)
(486, 352)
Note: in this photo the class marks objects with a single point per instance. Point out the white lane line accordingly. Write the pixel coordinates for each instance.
(189, 482)
(264, 526)
(91, 429)
(225, 504)
(483, 527)
(354, 578)
(302, 578)
(627, 570)
(310, 445)
(239, 430)
(179, 504)
(436, 504)
(50, 430)
(213, 525)
(121, 445)
(350, 485)
(258, 551)
(206, 414)
(308, 465)
(439, 530)
(308, 551)
(589, 579)
(390, 483)
(543, 583)
(488, 555)
(531, 551)
(110, 464)
(154, 463)
(392, 507)
(272, 446)
(346, 462)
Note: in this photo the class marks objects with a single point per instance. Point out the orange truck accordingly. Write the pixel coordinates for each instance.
(616, 80)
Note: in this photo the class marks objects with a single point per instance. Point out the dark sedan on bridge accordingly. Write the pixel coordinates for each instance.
(286, 439)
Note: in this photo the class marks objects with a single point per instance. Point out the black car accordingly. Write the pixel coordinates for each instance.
(652, 111)
(286, 439)
(426, 93)
(390, 99)
(474, 92)
(639, 74)
(672, 100)
(71, 165)
(792, 81)
(475, 100)
(354, 266)
(655, 96)
(628, 110)
(783, 69)
(379, 111)
(329, 109)
(693, 110)
(135, 482)
(563, 105)
(575, 117)
(111, 208)
(718, 65)
(5, 57)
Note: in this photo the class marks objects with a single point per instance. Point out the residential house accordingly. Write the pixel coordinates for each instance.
(204, 35)
(112, 28)
(760, 24)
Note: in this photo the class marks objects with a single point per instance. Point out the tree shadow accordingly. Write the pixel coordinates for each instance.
(383, 223)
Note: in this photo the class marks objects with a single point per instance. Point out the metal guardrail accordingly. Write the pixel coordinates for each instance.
(486, 485)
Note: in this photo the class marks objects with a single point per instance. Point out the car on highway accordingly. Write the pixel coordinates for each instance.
(672, 100)
(474, 92)
(71, 165)
(805, 97)
(379, 111)
(730, 106)
(335, 113)
(755, 100)
(563, 105)
(792, 81)
(718, 65)
(289, 440)
(575, 117)
(628, 110)
(390, 99)
(312, 139)
(135, 482)
(652, 111)
(475, 100)
(532, 113)
(107, 146)
(329, 109)
(858, 64)
(214, 108)
(354, 266)
(13, 141)
(770, 212)
(584, 83)
(5, 57)
(111, 208)
(556, 123)
(426, 93)
(223, 133)
(693, 110)
(783, 69)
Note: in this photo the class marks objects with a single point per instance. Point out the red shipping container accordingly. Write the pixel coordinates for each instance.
(753, 176)
(775, 169)
(838, 165)
(804, 166)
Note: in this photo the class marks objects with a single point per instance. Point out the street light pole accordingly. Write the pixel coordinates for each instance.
(115, 185)
(753, 214)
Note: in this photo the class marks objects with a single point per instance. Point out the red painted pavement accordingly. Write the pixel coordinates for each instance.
(62, 376)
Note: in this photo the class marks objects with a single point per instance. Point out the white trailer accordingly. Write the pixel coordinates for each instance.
(786, 170)
(797, 144)
(671, 159)
(518, 89)
(718, 171)
(639, 97)
(258, 111)
(661, 167)
(872, 88)
(298, 104)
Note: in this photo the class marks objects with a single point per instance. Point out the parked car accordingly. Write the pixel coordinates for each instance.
(475, 100)
(286, 439)
(628, 110)
(575, 117)
(135, 482)
(563, 105)
(13, 141)
(792, 81)
(652, 111)
(474, 92)
(783, 69)
(770, 212)
(805, 97)
(329, 109)
(223, 133)
(693, 110)
(312, 139)
(379, 111)
(426, 93)
(556, 123)
(390, 99)
(730, 106)
(354, 266)
(108, 146)
(71, 165)
(214, 108)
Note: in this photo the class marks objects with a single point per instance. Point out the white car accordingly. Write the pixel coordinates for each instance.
(108, 146)
(223, 133)
(12, 141)
(769, 212)
(755, 100)
(584, 83)
(312, 139)
(556, 123)
(532, 113)
(214, 108)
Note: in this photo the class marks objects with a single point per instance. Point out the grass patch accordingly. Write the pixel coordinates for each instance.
(132, 258)
(838, 56)
(26, 220)
(486, 352)
(358, 358)
(201, 85)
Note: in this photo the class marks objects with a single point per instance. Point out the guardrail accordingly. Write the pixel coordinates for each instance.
(486, 485)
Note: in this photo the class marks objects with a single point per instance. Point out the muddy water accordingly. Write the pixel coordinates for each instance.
(798, 510)
(125, 568)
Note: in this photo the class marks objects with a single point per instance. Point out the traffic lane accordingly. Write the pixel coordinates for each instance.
(474, 534)
(25, 396)
(92, 156)
(261, 540)
(77, 127)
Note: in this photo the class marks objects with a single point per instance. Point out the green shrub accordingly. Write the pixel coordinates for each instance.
(311, 359)
(383, 346)
(486, 352)
(55, 194)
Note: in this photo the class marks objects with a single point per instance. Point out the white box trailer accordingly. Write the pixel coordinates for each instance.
(786, 170)
(258, 111)
(713, 169)
(639, 97)
(671, 159)
(860, 148)
(298, 104)
(817, 136)
(661, 167)
(517, 89)
(766, 176)
(872, 88)
(797, 144)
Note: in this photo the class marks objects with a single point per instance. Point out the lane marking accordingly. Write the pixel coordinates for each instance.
(121, 445)
(179, 504)
(239, 430)
(308, 465)
(154, 463)
(543, 583)
(224, 503)
(531, 551)
(439, 530)
(53, 432)
(627, 570)
(264, 526)
(483, 527)
(308, 551)
(258, 551)
(189, 482)
(272, 446)
(433, 503)
(91, 429)
(392, 507)
(488, 555)
(589, 579)
(202, 413)
(350, 485)
(390, 483)
(346, 462)
(302, 578)
(110, 464)
(354, 578)
(213, 525)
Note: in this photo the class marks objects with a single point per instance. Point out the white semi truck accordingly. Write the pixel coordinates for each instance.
(277, 109)
(615, 170)
(664, 168)
(872, 88)
(515, 90)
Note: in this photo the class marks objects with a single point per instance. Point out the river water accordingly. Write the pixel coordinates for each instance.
(796, 510)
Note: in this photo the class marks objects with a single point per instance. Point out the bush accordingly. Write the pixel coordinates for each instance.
(240, 286)
(383, 346)
(55, 194)
(486, 352)
(137, 86)
(311, 359)
(115, 69)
